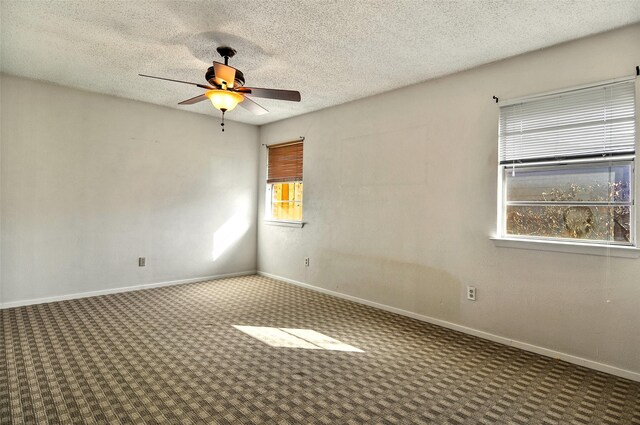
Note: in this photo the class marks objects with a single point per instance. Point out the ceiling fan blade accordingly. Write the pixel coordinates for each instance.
(225, 75)
(252, 106)
(291, 95)
(204, 86)
(193, 100)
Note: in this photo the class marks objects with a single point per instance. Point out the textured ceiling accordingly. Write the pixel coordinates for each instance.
(331, 51)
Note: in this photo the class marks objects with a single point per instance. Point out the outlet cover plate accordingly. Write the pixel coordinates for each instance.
(471, 293)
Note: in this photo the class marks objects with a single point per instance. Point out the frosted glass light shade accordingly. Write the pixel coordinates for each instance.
(224, 99)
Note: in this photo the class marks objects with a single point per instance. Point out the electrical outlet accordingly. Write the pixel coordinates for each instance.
(306, 261)
(471, 293)
(142, 261)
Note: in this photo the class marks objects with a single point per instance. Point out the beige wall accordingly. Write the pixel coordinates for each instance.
(89, 183)
(400, 201)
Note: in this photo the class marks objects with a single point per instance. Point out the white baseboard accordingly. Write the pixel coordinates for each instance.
(628, 374)
(22, 303)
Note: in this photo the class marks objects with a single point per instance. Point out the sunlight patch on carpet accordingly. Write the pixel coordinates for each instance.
(296, 338)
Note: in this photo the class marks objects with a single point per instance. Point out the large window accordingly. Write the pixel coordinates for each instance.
(567, 166)
(284, 182)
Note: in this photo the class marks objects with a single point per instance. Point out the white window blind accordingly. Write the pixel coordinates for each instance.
(592, 121)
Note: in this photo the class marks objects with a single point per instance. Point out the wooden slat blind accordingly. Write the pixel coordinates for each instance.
(285, 163)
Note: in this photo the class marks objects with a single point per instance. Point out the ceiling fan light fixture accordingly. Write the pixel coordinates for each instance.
(224, 99)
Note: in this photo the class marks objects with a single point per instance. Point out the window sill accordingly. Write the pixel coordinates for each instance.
(285, 223)
(569, 247)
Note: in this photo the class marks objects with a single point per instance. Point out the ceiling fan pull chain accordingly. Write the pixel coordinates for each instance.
(222, 123)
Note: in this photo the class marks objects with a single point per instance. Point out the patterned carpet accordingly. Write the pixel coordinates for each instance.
(172, 355)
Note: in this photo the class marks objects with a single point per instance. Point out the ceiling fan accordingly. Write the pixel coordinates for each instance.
(226, 89)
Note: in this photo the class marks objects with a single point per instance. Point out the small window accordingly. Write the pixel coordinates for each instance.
(284, 182)
(567, 166)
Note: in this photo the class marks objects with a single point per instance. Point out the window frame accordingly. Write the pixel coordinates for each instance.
(570, 245)
(268, 208)
(268, 205)
(503, 202)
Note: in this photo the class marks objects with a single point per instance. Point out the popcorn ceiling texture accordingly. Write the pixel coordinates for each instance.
(331, 51)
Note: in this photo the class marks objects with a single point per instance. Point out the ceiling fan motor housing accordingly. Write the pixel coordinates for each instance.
(210, 76)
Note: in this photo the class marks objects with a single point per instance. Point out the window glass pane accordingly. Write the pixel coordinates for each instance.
(590, 223)
(608, 183)
(286, 201)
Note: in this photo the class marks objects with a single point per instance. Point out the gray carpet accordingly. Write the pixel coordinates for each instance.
(173, 355)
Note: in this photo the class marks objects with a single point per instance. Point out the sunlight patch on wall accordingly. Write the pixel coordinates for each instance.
(296, 338)
(228, 234)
